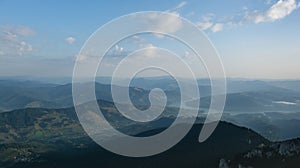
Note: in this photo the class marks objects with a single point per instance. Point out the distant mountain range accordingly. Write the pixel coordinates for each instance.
(257, 101)
(19, 95)
(244, 96)
(39, 126)
(251, 95)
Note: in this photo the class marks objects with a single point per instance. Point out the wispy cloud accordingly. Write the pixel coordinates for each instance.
(166, 23)
(177, 7)
(150, 50)
(268, 2)
(137, 39)
(217, 27)
(13, 41)
(180, 5)
(190, 14)
(80, 58)
(277, 11)
(207, 23)
(18, 30)
(163, 23)
(70, 40)
(118, 49)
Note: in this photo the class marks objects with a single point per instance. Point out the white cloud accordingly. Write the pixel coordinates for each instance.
(18, 30)
(87, 57)
(137, 39)
(232, 24)
(190, 14)
(217, 27)
(22, 47)
(29, 48)
(70, 40)
(158, 35)
(187, 55)
(13, 40)
(118, 49)
(81, 58)
(285, 102)
(24, 31)
(278, 11)
(146, 45)
(282, 9)
(163, 22)
(23, 43)
(180, 5)
(207, 23)
(149, 50)
(177, 7)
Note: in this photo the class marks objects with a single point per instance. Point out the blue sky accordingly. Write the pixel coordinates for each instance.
(255, 38)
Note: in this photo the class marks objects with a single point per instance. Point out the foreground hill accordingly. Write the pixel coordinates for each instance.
(46, 138)
(278, 154)
(54, 138)
(227, 141)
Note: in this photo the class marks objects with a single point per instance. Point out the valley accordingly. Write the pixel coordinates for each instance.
(39, 126)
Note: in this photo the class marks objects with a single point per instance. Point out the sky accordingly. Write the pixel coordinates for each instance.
(254, 38)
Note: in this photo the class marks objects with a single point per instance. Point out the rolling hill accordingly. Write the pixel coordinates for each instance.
(54, 138)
